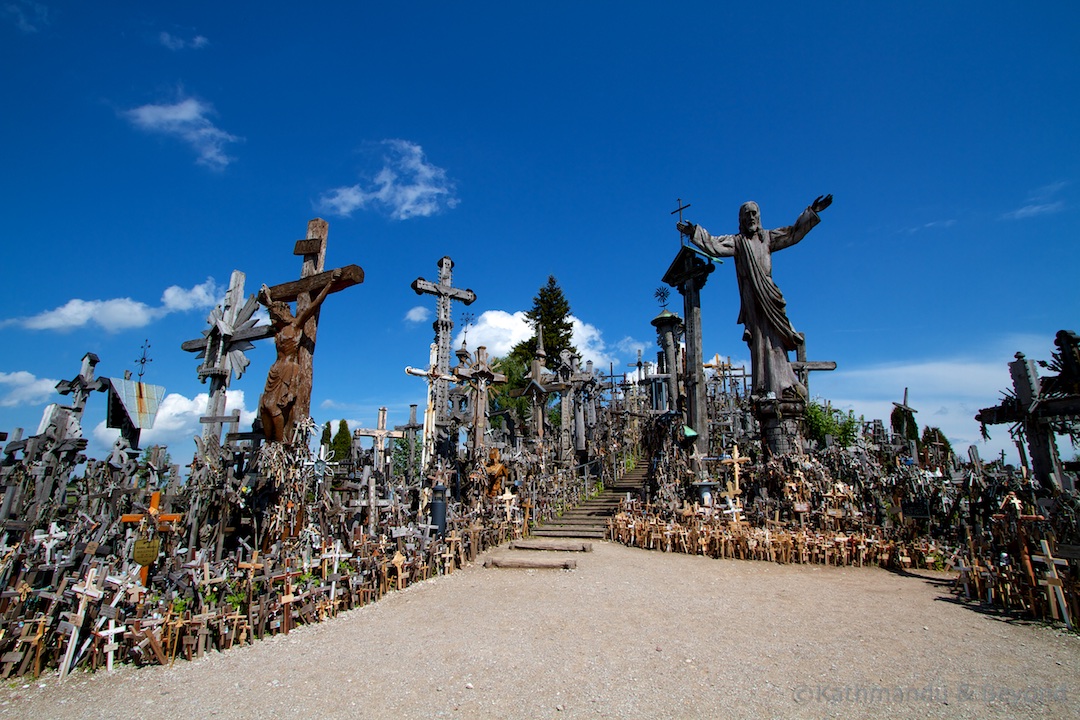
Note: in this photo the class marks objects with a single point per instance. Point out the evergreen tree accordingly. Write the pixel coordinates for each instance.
(932, 437)
(903, 423)
(552, 311)
(326, 434)
(342, 443)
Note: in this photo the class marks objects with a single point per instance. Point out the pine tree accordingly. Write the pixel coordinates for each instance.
(326, 434)
(342, 443)
(903, 423)
(551, 311)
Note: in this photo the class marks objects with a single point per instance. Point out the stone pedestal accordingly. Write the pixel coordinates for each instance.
(781, 425)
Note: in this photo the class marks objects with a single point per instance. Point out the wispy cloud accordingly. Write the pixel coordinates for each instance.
(1041, 201)
(23, 388)
(418, 314)
(407, 186)
(119, 314)
(946, 392)
(1035, 210)
(29, 16)
(174, 42)
(189, 121)
(933, 225)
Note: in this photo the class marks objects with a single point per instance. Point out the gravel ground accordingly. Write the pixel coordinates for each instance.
(628, 634)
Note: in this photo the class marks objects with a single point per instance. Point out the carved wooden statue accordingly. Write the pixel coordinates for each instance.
(768, 332)
(287, 380)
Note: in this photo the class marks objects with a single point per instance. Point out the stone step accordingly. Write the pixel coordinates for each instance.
(552, 532)
(589, 519)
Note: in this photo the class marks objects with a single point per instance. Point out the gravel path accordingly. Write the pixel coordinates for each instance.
(628, 634)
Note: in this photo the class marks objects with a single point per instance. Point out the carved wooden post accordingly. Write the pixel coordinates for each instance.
(688, 273)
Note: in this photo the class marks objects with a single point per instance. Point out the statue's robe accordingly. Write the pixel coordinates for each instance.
(762, 311)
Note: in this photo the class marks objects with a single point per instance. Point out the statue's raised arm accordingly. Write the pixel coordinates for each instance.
(821, 202)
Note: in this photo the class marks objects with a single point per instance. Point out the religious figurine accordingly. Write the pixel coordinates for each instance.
(287, 380)
(497, 473)
(768, 332)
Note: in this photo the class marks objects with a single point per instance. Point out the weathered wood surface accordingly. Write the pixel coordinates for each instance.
(567, 546)
(289, 291)
(530, 564)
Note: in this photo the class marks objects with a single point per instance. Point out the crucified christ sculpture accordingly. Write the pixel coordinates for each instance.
(287, 379)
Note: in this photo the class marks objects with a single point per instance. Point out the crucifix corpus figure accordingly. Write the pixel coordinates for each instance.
(287, 379)
(768, 332)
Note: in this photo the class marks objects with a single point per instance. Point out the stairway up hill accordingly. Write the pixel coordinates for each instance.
(589, 519)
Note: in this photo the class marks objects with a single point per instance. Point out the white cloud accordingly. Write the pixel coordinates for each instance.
(418, 314)
(178, 43)
(112, 315)
(1041, 201)
(177, 423)
(590, 344)
(178, 299)
(407, 186)
(29, 16)
(188, 120)
(496, 330)
(119, 313)
(499, 331)
(23, 388)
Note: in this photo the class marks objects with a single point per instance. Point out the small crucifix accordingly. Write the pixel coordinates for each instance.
(735, 461)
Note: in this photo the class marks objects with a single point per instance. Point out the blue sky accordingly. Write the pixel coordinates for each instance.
(152, 148)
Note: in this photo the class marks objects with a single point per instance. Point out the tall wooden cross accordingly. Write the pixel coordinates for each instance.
(410, 429)
(804, 367)
(906, 410)
(380, 434)
(82, 385)
(232, 329)
(480, 374)
(445, 293)
(312, 281)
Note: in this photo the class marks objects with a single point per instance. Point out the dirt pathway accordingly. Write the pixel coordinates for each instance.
(628, 634)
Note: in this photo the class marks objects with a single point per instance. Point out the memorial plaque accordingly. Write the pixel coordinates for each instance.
(146, 551)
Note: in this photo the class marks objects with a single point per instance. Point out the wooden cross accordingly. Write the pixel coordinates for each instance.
(163, 523)
(735, 461)
(232, 329)
(88, 589)
(380, 434)
(508, 503)
(445, 293)
(904, 406)
(1055, 593)
(313, 280)
(49, 540)
(481, 376)
(83, 384)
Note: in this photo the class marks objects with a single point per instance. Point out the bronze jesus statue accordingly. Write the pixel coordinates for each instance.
(762, 311)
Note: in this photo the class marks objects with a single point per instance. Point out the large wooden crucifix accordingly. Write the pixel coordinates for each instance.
(445, 293)
(287, 397)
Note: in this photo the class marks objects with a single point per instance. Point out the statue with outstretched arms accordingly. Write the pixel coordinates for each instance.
(762, 311)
